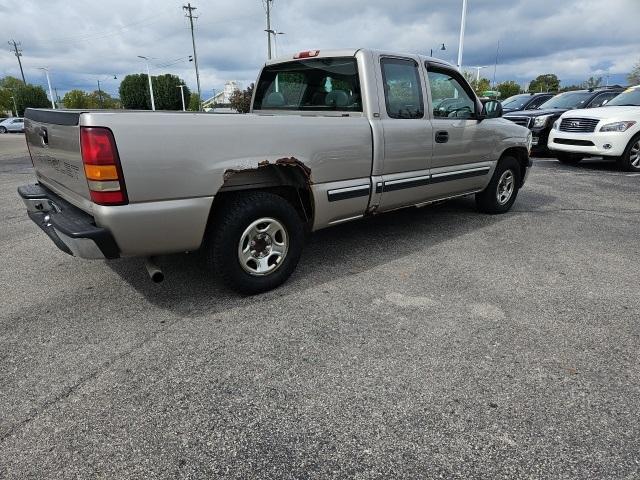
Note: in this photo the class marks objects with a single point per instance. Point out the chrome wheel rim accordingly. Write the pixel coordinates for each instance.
(263, 246)
(506, 185)
(634, 155)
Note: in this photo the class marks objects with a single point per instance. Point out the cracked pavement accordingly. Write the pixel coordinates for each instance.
(427, 343)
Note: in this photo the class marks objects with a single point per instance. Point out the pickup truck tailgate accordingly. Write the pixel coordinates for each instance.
(54, 143)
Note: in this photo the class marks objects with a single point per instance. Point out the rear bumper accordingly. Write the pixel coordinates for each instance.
(72, 230)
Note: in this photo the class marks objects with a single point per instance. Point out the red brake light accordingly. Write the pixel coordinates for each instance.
(98, 147)
(307, 54)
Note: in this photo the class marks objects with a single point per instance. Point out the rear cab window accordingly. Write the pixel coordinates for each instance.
(314, 85)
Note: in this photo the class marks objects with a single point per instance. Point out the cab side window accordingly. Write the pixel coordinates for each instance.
(402, 88)
(450, 99)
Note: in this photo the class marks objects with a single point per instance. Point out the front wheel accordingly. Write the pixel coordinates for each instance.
(255, 241)
(630, 160)
(569, 158)
(3, 129)
(502, 190)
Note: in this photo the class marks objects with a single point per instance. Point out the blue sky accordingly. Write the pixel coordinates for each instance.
(83, 41)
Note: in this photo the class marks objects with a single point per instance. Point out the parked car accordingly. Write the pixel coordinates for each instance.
(611, 132)
(525, 101)
(13, 124)
(320, 148)
(540, 120)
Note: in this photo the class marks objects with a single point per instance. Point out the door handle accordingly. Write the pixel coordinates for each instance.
(442, 136)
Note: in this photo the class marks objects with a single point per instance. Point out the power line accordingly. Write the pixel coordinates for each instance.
(190, 16)
(18, 53)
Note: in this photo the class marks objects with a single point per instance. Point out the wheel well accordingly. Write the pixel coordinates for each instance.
(520, 154)
(289, 181)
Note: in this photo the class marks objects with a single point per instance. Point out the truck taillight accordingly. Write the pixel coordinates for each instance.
(102, 166)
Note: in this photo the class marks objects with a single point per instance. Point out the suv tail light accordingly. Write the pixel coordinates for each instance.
(102, 166)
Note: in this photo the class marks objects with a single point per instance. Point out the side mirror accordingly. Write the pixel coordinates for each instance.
(491, 109)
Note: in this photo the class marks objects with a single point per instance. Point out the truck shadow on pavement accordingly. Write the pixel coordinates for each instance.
(340, 251)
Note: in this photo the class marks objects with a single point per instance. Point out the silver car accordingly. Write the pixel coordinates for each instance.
(13, 124)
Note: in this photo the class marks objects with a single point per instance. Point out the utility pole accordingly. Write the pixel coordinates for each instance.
(46, 72)
(190, 16)
(18, 53)
(268, 30)
(181, 87)
(463, 22)
(153, 103)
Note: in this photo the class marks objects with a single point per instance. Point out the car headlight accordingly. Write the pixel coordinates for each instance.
(541, 121)
(617, 126)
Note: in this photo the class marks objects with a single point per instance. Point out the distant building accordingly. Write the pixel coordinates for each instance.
(223, 97)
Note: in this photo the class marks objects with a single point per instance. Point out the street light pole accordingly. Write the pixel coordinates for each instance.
(15, 107)
(441, 48)
(46, 72)
(463, 22)
(478, 72)
(275, 40)
(153, 103)
(181, 87)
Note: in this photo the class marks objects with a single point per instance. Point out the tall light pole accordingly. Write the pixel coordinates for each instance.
(441, 48)
(268, 29)
(478, 72)
(46, 72)
(190, 15)
(463, 22)
(15, 107)
(153, 103)
(181, 87)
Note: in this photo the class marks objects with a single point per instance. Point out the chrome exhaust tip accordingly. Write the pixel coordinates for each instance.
(155, 273)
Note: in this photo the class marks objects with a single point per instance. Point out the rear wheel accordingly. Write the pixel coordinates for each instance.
(569, 158)
(255, 241)
(630, 160)
(502, 190)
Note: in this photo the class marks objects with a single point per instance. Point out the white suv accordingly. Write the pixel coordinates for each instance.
(611, 131)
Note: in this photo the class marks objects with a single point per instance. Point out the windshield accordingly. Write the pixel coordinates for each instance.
(517, 101)
(567, 100)
(631, 96)
(321, 84)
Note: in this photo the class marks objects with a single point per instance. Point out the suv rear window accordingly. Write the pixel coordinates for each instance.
(321, 84)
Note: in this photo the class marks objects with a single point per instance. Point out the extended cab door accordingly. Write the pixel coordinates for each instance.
(463, 146)
(408, 139)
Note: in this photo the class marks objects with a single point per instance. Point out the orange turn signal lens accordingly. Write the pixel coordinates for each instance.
(101, 172)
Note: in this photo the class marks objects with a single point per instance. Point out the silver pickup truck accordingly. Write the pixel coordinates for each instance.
(332, 136)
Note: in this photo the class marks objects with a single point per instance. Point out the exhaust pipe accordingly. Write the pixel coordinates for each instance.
(155, 274)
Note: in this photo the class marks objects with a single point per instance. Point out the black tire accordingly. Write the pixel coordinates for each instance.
(3, 129)
(569, 158)
(487, 200)
(228, 225)
(625, 161)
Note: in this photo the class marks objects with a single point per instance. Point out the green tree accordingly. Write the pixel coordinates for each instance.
(30, 96)
(241, 99)
(194, 103)
(77, 99)
(101, 99)
(508, 88)
(548, 82)
(167, 93)
(634, 75)
(593, 82)
(134, 92)
(478, 86)
(8, 86)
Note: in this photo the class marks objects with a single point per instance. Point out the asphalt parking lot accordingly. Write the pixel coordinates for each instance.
(429, 343)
